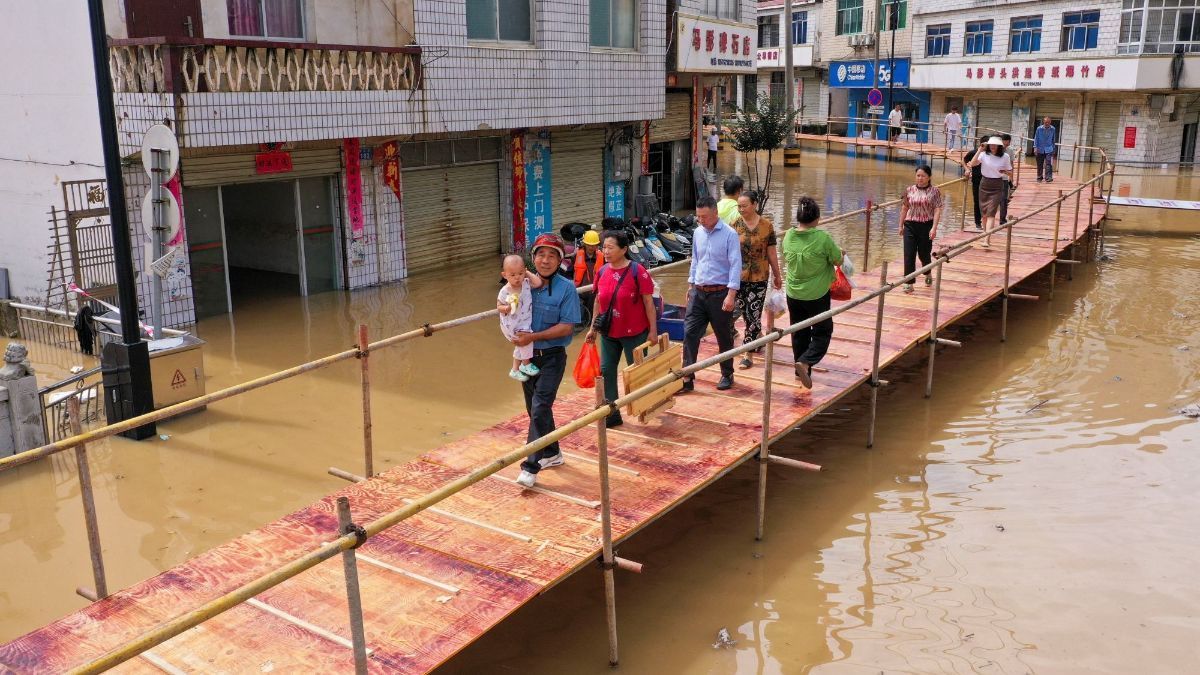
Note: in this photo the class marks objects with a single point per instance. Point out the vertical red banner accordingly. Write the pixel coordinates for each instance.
(1130, 137)
(697, 117)
(645, 147)
(517, 151)
(391, 166)
(354, 196)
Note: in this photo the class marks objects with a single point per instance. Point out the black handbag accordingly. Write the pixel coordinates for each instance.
(603, 321)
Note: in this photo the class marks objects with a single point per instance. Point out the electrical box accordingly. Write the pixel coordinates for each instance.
(621, 161)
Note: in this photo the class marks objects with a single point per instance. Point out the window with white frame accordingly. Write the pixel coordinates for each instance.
(612, 23)
(937, 40)
(273, 19)
(799, 28)
(500, 20)
(1159, 27)
(1080, 31)
(768, 31)
(722, 9)
(849, 17)
(978, 38)
(1025, 35)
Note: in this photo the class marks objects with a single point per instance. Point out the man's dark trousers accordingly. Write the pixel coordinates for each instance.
(540, 392)
(704, 308)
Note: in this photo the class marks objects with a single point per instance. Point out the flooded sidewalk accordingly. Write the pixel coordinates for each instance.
(853, 575)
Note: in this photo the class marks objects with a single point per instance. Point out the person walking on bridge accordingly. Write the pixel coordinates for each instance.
(713, 282)
(976, 177)
(555, 313)
(809, 255)
(996, 166)
(895, 123)
(1044, 144)
(953, 128)
(760, 262)
(920, 214)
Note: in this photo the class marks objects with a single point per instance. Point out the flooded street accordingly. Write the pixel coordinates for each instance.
(1037, 514)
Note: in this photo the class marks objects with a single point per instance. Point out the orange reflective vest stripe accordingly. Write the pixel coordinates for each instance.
(581, 265)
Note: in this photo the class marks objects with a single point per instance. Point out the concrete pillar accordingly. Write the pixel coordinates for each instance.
(20, 416)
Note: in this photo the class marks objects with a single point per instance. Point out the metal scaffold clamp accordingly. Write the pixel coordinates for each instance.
(427, 330)
(360, 534)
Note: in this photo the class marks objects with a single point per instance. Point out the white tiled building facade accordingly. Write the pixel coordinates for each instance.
(1082, 64)
(809, 72)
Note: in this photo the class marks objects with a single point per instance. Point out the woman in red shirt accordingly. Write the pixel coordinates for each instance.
(626, 288)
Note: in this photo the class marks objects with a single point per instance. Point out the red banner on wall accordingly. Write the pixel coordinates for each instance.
(517, 150)
(354, 196)
(1131, 137)
(274, 161)
(391, 166)
(645, 147)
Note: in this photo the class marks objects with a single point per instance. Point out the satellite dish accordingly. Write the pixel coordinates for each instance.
(160, 137)
(170, 211)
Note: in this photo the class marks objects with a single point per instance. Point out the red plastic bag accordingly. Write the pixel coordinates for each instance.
(587, 366)
(840, 288)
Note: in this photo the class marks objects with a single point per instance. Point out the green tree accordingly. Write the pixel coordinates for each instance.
(761, 127)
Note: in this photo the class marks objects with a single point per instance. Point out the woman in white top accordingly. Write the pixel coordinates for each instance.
(997, 167)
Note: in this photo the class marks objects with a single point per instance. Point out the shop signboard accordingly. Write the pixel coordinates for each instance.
(1079, 75)
(860, 74)
(705, 45)
(537, 185)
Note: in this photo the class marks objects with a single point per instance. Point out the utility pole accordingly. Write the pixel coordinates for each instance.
(789, 79)
(125, 365)
(892, 6)
(875, 69)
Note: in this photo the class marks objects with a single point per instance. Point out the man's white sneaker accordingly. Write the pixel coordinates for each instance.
(527, 479)
(554, 460)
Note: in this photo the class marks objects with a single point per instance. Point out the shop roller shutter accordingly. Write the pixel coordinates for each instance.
(676, 125)
(1106, 124)
(577, 176)
(811, 98)
(994, 116)
(451, 216)
(209, 170)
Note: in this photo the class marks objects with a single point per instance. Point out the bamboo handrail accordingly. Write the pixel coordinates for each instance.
(214, 607)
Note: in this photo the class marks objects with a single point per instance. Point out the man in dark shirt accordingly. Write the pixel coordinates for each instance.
(976, 177)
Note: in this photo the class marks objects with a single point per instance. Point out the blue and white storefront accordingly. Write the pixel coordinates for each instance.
(858, 77)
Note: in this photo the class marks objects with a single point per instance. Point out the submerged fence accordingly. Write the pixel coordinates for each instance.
(350, 536)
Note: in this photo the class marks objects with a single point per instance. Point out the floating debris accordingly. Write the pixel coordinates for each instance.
(724, 640)
(164, 437)
(999, 527)
(1184, 348)
(1192, 410)
(1106, 258)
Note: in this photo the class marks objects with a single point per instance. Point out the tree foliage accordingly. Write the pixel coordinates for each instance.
(761, 126)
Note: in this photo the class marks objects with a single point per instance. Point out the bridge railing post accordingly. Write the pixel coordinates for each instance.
(607, 559)
(764, 447)
(353, 595)
(874, 381)
(87, 496)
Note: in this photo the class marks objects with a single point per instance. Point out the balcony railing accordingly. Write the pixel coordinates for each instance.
(185, 66)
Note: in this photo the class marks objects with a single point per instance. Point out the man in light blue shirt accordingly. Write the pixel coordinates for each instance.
(713, 282)
(1043, 149)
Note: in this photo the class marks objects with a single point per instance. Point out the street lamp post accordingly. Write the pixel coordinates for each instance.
(892, 6)
(125, 365)
(789, 79)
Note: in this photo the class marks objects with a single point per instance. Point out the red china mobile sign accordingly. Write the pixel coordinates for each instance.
(715, 46)
(1116, 74)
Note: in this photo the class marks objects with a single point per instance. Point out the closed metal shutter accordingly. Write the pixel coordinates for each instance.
(577, 176)
(209, 170)
(1106, 124)
(451, 215)
(1048, 108)
(995, 116)
(677, 123)
(810, 97)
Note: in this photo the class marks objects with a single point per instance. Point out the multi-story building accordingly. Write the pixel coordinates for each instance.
(803, 29)
(1118, 74)
(866, 45)
(329, 144)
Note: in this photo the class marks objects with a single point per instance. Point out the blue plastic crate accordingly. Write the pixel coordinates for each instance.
(671, 321)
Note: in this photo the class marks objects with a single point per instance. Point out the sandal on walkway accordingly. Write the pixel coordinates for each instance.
(745, 363)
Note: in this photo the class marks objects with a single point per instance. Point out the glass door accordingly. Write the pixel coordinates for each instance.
(206, 250)
(319, 233)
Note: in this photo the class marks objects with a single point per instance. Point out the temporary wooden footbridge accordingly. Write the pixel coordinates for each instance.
(449, 545)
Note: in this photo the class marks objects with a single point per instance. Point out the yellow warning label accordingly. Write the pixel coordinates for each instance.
(178, 380)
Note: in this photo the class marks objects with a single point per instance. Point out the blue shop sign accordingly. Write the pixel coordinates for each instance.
(861, 73)
(538, 218)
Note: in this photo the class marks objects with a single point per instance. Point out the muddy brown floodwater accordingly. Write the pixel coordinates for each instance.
(1038, 514)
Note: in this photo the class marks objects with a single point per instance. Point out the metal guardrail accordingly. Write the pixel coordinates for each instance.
(57, 421)
(348, 540)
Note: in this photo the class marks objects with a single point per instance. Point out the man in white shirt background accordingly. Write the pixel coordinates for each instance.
(953, 128)
(895, 122)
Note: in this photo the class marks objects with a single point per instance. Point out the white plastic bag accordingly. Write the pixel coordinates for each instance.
(777, 302)
(847, 265)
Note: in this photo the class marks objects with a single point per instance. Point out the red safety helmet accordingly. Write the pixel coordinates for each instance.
(549, 240)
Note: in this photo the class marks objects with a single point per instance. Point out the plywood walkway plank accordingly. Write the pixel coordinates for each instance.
(413, 625)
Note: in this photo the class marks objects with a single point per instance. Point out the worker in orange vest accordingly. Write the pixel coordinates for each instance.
(588, 260)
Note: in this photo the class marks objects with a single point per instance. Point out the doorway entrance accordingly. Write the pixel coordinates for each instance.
(250, 242)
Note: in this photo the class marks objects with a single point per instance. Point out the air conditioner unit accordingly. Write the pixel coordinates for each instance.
(862, 39)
